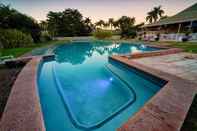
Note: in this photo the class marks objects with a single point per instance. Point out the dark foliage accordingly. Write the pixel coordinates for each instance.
(127, 27)
(12, 19)
(68, 23)
(12, 38)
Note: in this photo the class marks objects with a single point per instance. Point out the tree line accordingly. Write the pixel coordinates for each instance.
(67, 23)
(71, 22)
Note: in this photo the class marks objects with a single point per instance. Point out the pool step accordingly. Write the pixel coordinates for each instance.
(132, 80)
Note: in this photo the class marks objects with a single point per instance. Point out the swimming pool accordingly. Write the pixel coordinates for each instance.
(81, 89)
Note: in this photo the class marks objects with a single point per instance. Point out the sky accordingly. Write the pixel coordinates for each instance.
(99, 9)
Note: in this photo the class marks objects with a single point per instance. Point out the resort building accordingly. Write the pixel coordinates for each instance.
(180, 27)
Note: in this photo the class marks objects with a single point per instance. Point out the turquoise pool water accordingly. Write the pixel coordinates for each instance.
(81, 89)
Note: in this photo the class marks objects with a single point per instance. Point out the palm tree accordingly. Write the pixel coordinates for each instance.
(106, 24)
(87, 21)
(100, 23)
(111, 22)
(150, 17)
(155, 14)
(126, 21)
(116, 24)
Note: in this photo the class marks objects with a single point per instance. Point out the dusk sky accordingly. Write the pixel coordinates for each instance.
(98, 9)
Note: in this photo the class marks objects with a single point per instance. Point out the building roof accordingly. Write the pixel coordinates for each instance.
(187, 15)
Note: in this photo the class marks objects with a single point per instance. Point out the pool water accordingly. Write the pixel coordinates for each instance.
(81, 89)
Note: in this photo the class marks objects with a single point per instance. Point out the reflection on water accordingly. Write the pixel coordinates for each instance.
(77, 52)
(80, 85)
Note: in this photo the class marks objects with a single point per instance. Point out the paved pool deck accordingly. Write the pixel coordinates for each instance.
(167, 110)
(183, 65)
(23, 109)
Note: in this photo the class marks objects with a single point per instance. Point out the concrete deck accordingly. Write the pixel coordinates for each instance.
(183, 65)
(23, 110)
(167, 110)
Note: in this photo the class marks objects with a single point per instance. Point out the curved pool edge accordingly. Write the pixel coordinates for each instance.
(23, 109)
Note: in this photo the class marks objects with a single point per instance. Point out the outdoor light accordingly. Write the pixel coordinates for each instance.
(111, 79)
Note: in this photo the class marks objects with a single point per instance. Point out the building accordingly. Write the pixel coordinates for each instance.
(176, 28)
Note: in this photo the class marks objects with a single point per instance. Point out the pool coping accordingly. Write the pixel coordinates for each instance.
(165, 51)
(23, 109)
(167, 110)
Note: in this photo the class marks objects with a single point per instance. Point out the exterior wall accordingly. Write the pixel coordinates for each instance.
(194, 37)
(169, 37)
(171, 32)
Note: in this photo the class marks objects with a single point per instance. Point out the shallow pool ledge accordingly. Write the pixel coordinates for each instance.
(23, 110)
(167, 110)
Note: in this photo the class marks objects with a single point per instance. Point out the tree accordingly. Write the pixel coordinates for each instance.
(125, 22)
(88, 26)
(100, 23)
(54, 21)
(116, 24)
(68, 23)
(155, 14)
(127, 26)
(111, 22)
(87, 21)
(150, 17)
(12, 19)
(43, 25)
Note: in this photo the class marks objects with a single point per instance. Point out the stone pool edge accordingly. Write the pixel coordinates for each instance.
(167, 110)
(23, 109)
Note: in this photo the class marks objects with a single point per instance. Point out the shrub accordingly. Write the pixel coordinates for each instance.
(12, 38)
(13, 19)
(129, 33)
(102, 34)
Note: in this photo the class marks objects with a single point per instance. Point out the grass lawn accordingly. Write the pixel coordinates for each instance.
(16, 52)
(187, 46)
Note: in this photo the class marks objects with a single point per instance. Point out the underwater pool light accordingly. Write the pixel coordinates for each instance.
(111, 79)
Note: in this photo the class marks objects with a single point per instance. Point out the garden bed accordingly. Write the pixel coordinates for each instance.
(7, 78)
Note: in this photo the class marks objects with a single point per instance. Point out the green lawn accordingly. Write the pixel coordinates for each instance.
(187, 46)
(16, 52)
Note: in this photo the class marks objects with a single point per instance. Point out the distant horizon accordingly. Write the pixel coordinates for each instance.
(99, 9)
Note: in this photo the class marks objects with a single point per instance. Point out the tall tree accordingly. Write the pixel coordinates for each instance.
(111, 22)
(155, 14)
(126, 22)
(127, 26)
(54, 21)
(116, 24)
(87, 21)
(68, 23)
(43, 25)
